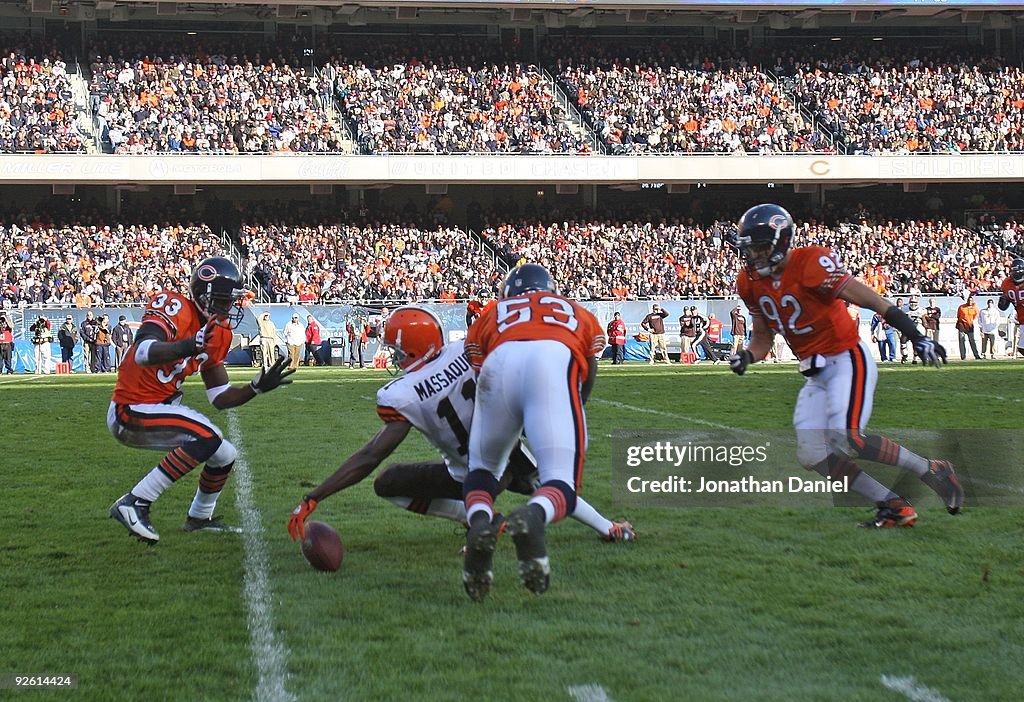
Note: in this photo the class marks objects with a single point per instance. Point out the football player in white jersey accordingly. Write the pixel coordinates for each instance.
(435, 394)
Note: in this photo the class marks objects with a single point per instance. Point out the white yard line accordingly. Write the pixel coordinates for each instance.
(589, 693)
(910, 688)
(22, 379)
(662, 413)
(269, 654)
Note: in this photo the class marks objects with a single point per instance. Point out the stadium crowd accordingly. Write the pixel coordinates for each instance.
(37, 112)
(468, 98)
(372, 262)
(84, 266)
(356, 256)
(227, 95)
(169, 98)
(658, 100)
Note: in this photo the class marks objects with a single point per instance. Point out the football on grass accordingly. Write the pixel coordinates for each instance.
(322, 547)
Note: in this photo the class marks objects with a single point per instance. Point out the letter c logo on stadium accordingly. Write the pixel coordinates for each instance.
(206, 273)
(820, 167)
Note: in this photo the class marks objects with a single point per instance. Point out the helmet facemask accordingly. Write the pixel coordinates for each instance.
(1017, 271)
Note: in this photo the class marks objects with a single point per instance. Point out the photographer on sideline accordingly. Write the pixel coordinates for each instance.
(41, 338)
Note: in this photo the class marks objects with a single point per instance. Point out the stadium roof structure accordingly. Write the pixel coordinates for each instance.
(552, 14)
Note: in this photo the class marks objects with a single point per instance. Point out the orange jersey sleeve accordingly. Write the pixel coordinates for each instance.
(801, 304)
(179, 319)
(533, 317)
(390, 414)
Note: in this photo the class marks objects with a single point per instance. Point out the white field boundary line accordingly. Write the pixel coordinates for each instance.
(589, 693)
(960, 393)
(270, 655)
(910, 688)
(23, 379)
(662, 413)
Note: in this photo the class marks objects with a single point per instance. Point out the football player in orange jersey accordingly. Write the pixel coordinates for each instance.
(1012, 293)
(536, 355)
(435, 395)
(179, 337)
(800, 294)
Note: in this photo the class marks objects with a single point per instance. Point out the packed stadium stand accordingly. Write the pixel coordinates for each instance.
(569, 92)
(208, 97)
(37, 112)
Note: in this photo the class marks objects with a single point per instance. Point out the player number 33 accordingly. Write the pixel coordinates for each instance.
(552, 310)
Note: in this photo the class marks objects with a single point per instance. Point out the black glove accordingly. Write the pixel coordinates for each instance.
(738, 362)
(270, 378)
(930, 352)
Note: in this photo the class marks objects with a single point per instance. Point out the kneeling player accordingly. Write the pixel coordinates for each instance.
(435, 394)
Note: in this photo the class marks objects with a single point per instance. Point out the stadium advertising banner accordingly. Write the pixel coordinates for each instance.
(473, 169)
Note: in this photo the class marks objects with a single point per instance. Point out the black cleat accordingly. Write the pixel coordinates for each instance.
(896, 512)
(477, 573)
(133, 513)
(213, 524)
(526, 526)
(942, 479)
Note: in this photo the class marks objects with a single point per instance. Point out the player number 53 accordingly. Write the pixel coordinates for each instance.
(517, 310)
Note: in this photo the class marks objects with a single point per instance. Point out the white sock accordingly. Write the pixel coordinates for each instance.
(911, 461)
(586, 514)
(203, 505)
(871, 488)
(152, 486)
(479, 507)
(546, 505)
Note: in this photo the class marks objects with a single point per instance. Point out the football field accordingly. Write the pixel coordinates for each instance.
(744, 603)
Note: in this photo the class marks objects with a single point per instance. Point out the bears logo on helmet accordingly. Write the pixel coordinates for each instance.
(764, 237)
(1017, 271)
(527, 278)
(217, 289)
(414, 336)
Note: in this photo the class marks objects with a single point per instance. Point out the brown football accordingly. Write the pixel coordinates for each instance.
(322, 547)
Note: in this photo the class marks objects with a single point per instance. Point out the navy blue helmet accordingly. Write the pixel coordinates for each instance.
(1017, 270)
(529, 277)
(217, 289)
(764, 237)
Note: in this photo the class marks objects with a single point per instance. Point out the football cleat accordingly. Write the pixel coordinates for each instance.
(526, 527)
(133, 513)
(477, 572)
(620, 531)
(942, 479)
(213, 524)
(896, 512)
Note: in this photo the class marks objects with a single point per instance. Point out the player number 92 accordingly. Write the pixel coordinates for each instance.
(14, 681)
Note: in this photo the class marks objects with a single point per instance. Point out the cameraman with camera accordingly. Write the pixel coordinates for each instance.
(41, 338)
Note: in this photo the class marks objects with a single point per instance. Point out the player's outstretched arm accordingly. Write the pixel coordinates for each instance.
(860, 294)
(223, 395)
(355, 468)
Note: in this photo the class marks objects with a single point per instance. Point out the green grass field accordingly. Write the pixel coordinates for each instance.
(709, 604)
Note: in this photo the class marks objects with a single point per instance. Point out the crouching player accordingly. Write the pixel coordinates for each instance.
(179, 337)
(436, 395)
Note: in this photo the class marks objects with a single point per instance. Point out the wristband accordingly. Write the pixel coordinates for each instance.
(899, 320)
